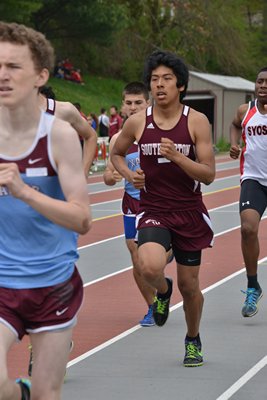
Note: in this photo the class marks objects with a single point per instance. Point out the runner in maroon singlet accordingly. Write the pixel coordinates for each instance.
(68, 112)
(176, 156)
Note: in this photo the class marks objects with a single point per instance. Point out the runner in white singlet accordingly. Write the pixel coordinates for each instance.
(250, 123)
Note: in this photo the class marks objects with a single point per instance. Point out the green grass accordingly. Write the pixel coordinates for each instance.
(96, 93)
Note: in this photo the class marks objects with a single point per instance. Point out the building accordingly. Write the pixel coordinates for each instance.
(218, 97)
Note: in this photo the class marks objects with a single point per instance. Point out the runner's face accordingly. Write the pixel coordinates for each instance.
(134, 103)
(261, 87)
(163, 86)
(18, 76)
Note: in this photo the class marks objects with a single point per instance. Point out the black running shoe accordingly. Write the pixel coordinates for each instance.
(193, 356)
(161, 308)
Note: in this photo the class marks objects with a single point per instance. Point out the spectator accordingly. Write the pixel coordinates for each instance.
(115, 121)
(79, 108)
(67, 66)
(123, 113)
(59, 71)
(75, 76)
(103, 123)
(93, 120)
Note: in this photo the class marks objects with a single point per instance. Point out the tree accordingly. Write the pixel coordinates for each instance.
(19, 11)
(113, 37)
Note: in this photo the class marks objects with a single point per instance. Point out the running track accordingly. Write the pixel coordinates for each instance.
(97, 324)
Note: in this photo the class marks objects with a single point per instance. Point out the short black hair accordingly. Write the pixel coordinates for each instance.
(136, 88)
(78, 106)
(262, 70)
(170, 60)
(47, 91)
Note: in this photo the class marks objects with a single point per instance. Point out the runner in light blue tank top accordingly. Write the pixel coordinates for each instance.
(44, 206)
(133, 162)
(24, 263)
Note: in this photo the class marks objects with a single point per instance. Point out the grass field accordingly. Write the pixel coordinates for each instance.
(96, 93)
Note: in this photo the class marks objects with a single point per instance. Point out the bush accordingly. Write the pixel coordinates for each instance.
(222, 145)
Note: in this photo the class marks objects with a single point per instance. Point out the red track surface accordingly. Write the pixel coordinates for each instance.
(98, 322)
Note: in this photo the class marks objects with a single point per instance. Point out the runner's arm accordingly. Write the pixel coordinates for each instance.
(111, 176)
(236, 131)
(127, 137)
(84, 129)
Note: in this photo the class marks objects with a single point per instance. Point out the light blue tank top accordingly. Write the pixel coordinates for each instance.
(132, 160)
(34, 252)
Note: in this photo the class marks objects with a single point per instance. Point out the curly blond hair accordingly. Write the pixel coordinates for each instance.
(41, 49)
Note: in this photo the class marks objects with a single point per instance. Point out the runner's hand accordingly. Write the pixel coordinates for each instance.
(10, 178)
(168, 149)
(117, 176)
(235, 151)
(138, 179)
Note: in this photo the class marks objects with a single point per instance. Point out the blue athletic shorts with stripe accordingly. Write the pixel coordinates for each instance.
(129, 208)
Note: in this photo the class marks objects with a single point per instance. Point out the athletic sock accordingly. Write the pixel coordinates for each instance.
(164, 296)
(193, 339)
(253, 282)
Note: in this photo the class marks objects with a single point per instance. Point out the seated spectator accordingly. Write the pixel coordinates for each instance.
(59, 71)
(75, 76)
(67, 66)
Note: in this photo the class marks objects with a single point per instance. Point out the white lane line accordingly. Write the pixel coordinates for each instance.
(102, 346)
(243, 380)
(102, 278)
(106, 190)
(224, 206)
(136, 327)
(106, 202)
(226, 177)
(113, 189)
(229, 168)
(100, 242)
